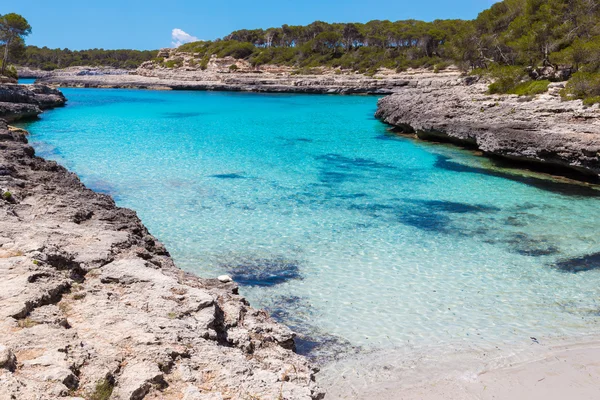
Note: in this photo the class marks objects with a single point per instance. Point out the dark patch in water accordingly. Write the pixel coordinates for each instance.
(228, 176)
(567, 189)
(388, 136)
(335, 178)
(417, 217)
(579, 264)
(426, 221)
(178, 115)
(372, 208)
(515, 221)
(453, 207)
(293, 141)
(525, 245)
(311, 341)
(343, 162)
(263, 272)
(350, 196)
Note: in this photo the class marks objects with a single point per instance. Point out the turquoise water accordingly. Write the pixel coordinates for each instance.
(357, 239)
(26, 81)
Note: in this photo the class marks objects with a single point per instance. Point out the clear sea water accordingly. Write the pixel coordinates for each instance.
(357, 239)
(26, 81)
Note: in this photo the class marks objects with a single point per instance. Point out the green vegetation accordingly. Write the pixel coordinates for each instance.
(519, 44)
(510, 42)
(103, 390)
(51, 59)
(583, 85)
(13, 30)
(531, 88)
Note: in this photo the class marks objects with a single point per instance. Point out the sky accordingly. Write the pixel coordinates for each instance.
(154, 24)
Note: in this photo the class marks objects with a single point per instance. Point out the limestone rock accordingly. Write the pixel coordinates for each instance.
(95, 303)
(542, 129)
(7, 358)
(27, 101)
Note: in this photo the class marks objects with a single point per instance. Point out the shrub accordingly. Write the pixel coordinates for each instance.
(10, 71)
(103, 390)
(590, 101)
(237, 50)
(506, 78)
(530, 88)
(233, 68)
(171, 64)
(440, 66)
(582, 85)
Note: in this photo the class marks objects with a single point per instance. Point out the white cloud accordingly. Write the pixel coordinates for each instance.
(180, 37)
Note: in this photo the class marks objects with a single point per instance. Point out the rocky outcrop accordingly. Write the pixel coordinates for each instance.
(181, 71)
(26, 72)
(27, 101)
(549, 134)
(92, 306)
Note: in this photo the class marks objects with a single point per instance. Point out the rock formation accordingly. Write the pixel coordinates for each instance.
(27, 101)
(92, 306)
(184, 71)
(556, 135)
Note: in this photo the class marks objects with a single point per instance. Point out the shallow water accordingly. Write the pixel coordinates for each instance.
(357, 239)
(26, 81)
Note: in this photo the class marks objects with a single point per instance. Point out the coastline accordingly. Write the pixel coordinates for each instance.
(542, 133)
(251, 81)
(485, 379)
(91, 303)
(27, 101)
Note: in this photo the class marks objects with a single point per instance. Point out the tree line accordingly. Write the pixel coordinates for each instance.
(51, 59)
(511, 32)
(505, 41)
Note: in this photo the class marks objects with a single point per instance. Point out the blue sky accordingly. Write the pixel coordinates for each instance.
(148, 24)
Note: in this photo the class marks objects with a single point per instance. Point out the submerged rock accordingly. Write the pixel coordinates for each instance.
(263, 271)
(579, 264)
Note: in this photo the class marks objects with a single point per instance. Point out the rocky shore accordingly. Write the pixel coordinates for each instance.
(27, 101)
(92, 305)
(543, 131)
(219, 76)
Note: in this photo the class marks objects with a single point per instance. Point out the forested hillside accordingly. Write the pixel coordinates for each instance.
(503, 41)
(50, 59)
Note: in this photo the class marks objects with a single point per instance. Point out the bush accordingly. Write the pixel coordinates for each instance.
(233, 68)
(590, 101)
(10, 72)
(530, 88)
(583, 85)
(237, 50)
(440, 66)
(506, 78)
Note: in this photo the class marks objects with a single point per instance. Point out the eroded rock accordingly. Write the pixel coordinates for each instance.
(95, 304)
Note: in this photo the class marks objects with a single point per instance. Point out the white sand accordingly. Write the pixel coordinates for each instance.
(538, 371)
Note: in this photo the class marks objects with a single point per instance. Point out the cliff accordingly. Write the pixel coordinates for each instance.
(27, 101)
(92, 306)
(543, 131)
